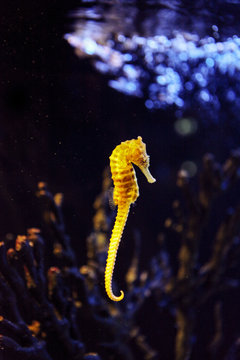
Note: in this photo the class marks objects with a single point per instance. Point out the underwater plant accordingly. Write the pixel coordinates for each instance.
(52, 309)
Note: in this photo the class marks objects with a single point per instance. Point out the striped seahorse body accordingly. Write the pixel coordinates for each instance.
(125, 193)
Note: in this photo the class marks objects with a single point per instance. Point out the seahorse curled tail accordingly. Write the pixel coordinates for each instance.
(122, 215)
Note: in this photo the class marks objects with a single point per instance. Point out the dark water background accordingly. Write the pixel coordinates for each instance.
(60, 121)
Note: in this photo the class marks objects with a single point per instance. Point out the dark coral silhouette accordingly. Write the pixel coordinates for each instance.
(51, 309)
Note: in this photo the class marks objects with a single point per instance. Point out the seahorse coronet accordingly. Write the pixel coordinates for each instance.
(125, 193)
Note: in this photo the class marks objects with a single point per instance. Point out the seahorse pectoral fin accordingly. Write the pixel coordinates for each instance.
(148, 175)
(111, 201)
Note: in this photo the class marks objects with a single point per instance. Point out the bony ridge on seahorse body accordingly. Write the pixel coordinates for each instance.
(125, 193)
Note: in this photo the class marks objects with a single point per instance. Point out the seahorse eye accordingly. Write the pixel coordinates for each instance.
(144, 161)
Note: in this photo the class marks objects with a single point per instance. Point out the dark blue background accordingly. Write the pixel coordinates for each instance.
(59, 122)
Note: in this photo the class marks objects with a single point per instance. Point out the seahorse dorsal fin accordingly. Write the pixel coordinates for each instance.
(110, 198)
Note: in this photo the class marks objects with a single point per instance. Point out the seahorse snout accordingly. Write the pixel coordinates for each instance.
(148, 175)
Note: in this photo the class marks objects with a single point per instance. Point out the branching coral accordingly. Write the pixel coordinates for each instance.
(50, 309)
(194, 284)
(59, 312)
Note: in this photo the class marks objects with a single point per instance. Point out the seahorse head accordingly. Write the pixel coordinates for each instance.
(137, 154)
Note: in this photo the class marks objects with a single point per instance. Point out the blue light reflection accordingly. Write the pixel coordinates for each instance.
(165, 70)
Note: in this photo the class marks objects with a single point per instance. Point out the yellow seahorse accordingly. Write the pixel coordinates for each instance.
(125, 193)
